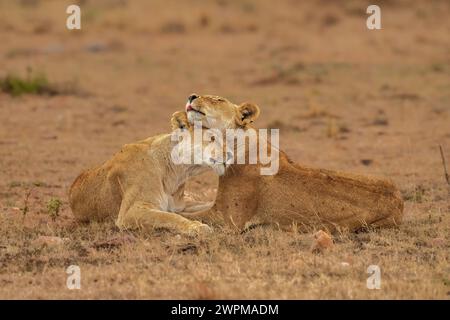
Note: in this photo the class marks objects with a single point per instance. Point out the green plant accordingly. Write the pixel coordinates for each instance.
(53, 207)
(17, 86)
(33, 83)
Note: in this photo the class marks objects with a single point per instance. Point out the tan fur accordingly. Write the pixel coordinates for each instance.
(297, 196)
(219, 113)
(139, 187)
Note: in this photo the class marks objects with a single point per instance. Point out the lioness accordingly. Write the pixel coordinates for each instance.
(296, 196)
(141, 187)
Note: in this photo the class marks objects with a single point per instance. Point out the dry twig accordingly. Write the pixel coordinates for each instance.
(447, 177)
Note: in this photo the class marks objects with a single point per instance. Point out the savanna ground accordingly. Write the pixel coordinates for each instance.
(344, 97)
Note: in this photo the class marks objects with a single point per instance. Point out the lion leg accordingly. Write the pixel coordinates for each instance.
(93, 196)
(181, 204)
(208, 216)
(145, 216)
(195, 206)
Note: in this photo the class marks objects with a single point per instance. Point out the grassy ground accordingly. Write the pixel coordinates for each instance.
(343, 97)
(262, 263)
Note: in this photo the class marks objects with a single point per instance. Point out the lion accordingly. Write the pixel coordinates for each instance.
(141, 187)
(297, 196)
(214, 112)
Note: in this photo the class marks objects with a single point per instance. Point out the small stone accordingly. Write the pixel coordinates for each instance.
(322, 241)
(438, 242)
(96, 47)
(366, 162)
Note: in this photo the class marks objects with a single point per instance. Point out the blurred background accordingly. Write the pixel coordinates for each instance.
(344, 97)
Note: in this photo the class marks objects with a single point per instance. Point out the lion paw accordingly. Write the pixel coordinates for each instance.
(198, 228)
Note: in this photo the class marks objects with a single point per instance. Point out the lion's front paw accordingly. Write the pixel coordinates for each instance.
(198, 228)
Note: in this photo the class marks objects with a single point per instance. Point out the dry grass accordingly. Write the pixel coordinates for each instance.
(262, 263)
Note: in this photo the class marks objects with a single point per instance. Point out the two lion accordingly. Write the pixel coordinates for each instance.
(132, 187)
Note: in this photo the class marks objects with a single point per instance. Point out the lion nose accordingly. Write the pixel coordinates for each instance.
(192, 97)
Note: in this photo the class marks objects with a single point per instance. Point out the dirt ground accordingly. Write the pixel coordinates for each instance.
(344, 97)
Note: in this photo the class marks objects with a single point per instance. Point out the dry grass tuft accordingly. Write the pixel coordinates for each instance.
(261, 263)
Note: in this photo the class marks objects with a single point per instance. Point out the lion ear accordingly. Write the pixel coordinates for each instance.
(179, 120)
(247, 113)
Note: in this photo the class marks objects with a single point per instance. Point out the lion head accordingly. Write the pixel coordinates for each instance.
(217, 112)
(205, 148)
